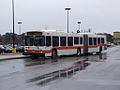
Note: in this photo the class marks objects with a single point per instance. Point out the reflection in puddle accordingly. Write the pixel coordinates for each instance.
(39, 61)
(33, 62)
(103, 56)
(63, 73)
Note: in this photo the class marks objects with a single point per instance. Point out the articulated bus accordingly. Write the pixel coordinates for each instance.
(52, 43)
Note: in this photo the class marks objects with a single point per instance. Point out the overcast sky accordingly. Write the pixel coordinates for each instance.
(99, 15)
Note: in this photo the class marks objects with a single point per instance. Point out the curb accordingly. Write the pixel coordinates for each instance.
(12, 58)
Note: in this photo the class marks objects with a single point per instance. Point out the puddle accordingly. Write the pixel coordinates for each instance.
(63, 73)
(103, 56)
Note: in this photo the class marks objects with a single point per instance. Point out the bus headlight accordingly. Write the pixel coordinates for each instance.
(41, 51)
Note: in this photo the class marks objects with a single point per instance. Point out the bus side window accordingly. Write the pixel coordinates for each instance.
(62, 41)
(76, 40)
(98, 40)
(95, 41)
(70, 41)
(81, 40)
(90, 41)
(48, 40)
(55, 41)
(102, 41)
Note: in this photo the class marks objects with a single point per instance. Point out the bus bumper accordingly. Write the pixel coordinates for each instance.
(34, 54)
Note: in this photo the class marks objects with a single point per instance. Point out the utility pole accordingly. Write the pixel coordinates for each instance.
(14, 49)
(67, 9)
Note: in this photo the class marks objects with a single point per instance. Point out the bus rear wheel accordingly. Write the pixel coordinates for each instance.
(100, 50)
(54, 54)
(78, 51)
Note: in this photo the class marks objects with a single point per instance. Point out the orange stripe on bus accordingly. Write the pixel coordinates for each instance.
(38, 51)
(62, 48)
(93, 46)
(68, 47)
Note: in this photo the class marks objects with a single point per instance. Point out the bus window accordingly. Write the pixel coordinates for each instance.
(62, 41)
(29, 41)
(70, 41)
(76, 40)
(81, 40)
(48, 40)
(55, 41)
(90, 41)
(98, 40)
(39, 41)
(102, 40)
(95, 41)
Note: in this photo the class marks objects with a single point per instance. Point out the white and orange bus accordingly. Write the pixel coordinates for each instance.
(52, 43)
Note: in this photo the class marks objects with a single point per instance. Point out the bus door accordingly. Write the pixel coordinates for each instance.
(85, 43)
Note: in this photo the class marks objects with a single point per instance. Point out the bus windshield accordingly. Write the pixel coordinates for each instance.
(29, 41)
(35, 41)
(39, 41)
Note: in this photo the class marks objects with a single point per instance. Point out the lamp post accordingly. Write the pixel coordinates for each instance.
(19, 23)
(67, 9)
(79, 25)
(14, 49)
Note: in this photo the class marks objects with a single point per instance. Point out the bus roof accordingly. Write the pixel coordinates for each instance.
(61, 33)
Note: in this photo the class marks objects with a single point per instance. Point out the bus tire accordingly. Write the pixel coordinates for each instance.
(100, 49)
(54, 54)
(78, 51)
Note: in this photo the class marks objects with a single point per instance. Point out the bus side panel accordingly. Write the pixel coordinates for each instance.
(67, 52)
(93, 50)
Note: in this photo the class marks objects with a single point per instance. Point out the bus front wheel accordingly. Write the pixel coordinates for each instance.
(54, 54)
(100, 50)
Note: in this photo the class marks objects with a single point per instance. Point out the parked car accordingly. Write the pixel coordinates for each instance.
(20, 49)
(109, 44)
(2, 49)
(8, 48)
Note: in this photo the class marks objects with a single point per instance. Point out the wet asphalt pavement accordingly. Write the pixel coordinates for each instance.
(15, 74)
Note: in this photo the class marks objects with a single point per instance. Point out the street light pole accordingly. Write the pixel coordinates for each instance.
(79, 25)
(14, 49)
(67, 9)
(19, 23)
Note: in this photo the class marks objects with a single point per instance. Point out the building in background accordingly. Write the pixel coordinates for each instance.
(116, 38)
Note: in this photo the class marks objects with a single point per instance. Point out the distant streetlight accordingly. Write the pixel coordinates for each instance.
(14, 49)
(78, 31)
(67, 9)
(79, 25)
(19, 23)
